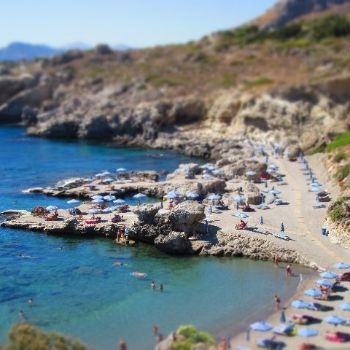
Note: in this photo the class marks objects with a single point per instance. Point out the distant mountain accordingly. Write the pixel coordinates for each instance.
(23, 51)
(286, 11)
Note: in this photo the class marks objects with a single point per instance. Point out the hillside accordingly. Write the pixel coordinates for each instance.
(290, 85)
(286, 11)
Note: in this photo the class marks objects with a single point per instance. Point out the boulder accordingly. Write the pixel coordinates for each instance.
(146, 213)
(175, 243)
(184, 217)
(147, 233)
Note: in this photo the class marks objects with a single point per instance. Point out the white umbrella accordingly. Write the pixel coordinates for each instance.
(328, 275)
(335, 320)
(121, 170)
(250, 173)
(172, 195)
(107, 210)
(108, 180)
(51, 207)
(97, 196)
(261, 326)
(97, 201)
(93, 211)
(192, 195)
(241, 215)
(139, 195)
(214, 197)
(239, 199)
(109, 198)
(342, 266)
(73, 201)
(119, 201)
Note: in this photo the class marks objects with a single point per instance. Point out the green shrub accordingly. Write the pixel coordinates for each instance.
(318, 149)
(340, 156)
(343, 172)
(26, 337)
(195, 336)
(336, 214)
(340, 141)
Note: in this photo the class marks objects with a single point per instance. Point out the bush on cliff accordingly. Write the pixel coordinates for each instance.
(27, 337)
(191, 337)
(343, 172)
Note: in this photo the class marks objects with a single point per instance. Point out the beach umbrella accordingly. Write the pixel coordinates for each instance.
(107, 210)
(73, 201)
(109, 198)
(113, 207)
(345, 307)
(307, 332)
(93, 211)
(275, 191)
(342, 266)
(192, 195)
(328, 274)
(261, 326)
(239, 199)
(324, 283)
(121, 170)
(105, 173)
(207, 177)
(97, 201)
(214, 197)
(108, 180)
(51, 207)
(300, 304)
(315, 293)
(250, 173)
(241, 215)
(335, 320)
(119, 201)
(139, 195)
(172, 195)
(97, 196)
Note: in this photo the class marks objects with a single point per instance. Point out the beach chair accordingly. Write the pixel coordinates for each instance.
(282, 235)
(318, 206)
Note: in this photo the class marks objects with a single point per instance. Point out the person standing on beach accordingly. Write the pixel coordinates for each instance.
(277, 302)
(289, 270)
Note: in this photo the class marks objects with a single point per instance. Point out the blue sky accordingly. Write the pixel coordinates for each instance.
(137, 23)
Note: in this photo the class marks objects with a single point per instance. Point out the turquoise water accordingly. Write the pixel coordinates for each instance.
(74, 285)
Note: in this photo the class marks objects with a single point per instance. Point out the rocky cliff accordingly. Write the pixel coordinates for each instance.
(202, 98)
(285, 11)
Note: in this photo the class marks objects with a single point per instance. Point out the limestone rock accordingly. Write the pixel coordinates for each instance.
(175, 243)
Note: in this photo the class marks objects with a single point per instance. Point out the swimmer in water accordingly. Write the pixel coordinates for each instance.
(118, 263)
(153, 285)
(30, 301)
(161, 287)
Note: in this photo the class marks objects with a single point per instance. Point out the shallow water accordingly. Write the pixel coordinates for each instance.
(75, 287)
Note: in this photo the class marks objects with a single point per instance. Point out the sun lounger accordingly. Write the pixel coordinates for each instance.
(281, 202)
(261, 230)
(282, 235)
(318, 206)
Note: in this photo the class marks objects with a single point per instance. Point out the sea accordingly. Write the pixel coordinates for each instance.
(76, 288)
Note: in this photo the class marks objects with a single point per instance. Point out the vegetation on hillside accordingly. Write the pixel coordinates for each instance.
(27, 337)
(301, 33)
(189, 337)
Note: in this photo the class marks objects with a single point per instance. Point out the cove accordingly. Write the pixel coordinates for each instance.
(75, 287)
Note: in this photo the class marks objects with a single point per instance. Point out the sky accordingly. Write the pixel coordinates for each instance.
(136, 23)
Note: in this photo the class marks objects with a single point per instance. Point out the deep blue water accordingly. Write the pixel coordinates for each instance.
(74, 285)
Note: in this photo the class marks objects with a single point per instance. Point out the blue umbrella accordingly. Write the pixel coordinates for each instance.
(108, 180)
(241, 215)
(328, 274)
(97, 201)
(139, 195)
(172, 195)
(335, 320)
(119, 201)
(51, 207)
(97, 196)
(261, 326)
(93, 211)
(324, 283)
(275, 192)
(307, 332)
(315, 293)
(345, 307)
(239, 199)
(342, 266)
(109, 198)
(107, 210)
(192, 195)
(73, 201)
(214, 197)
(300, 304)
